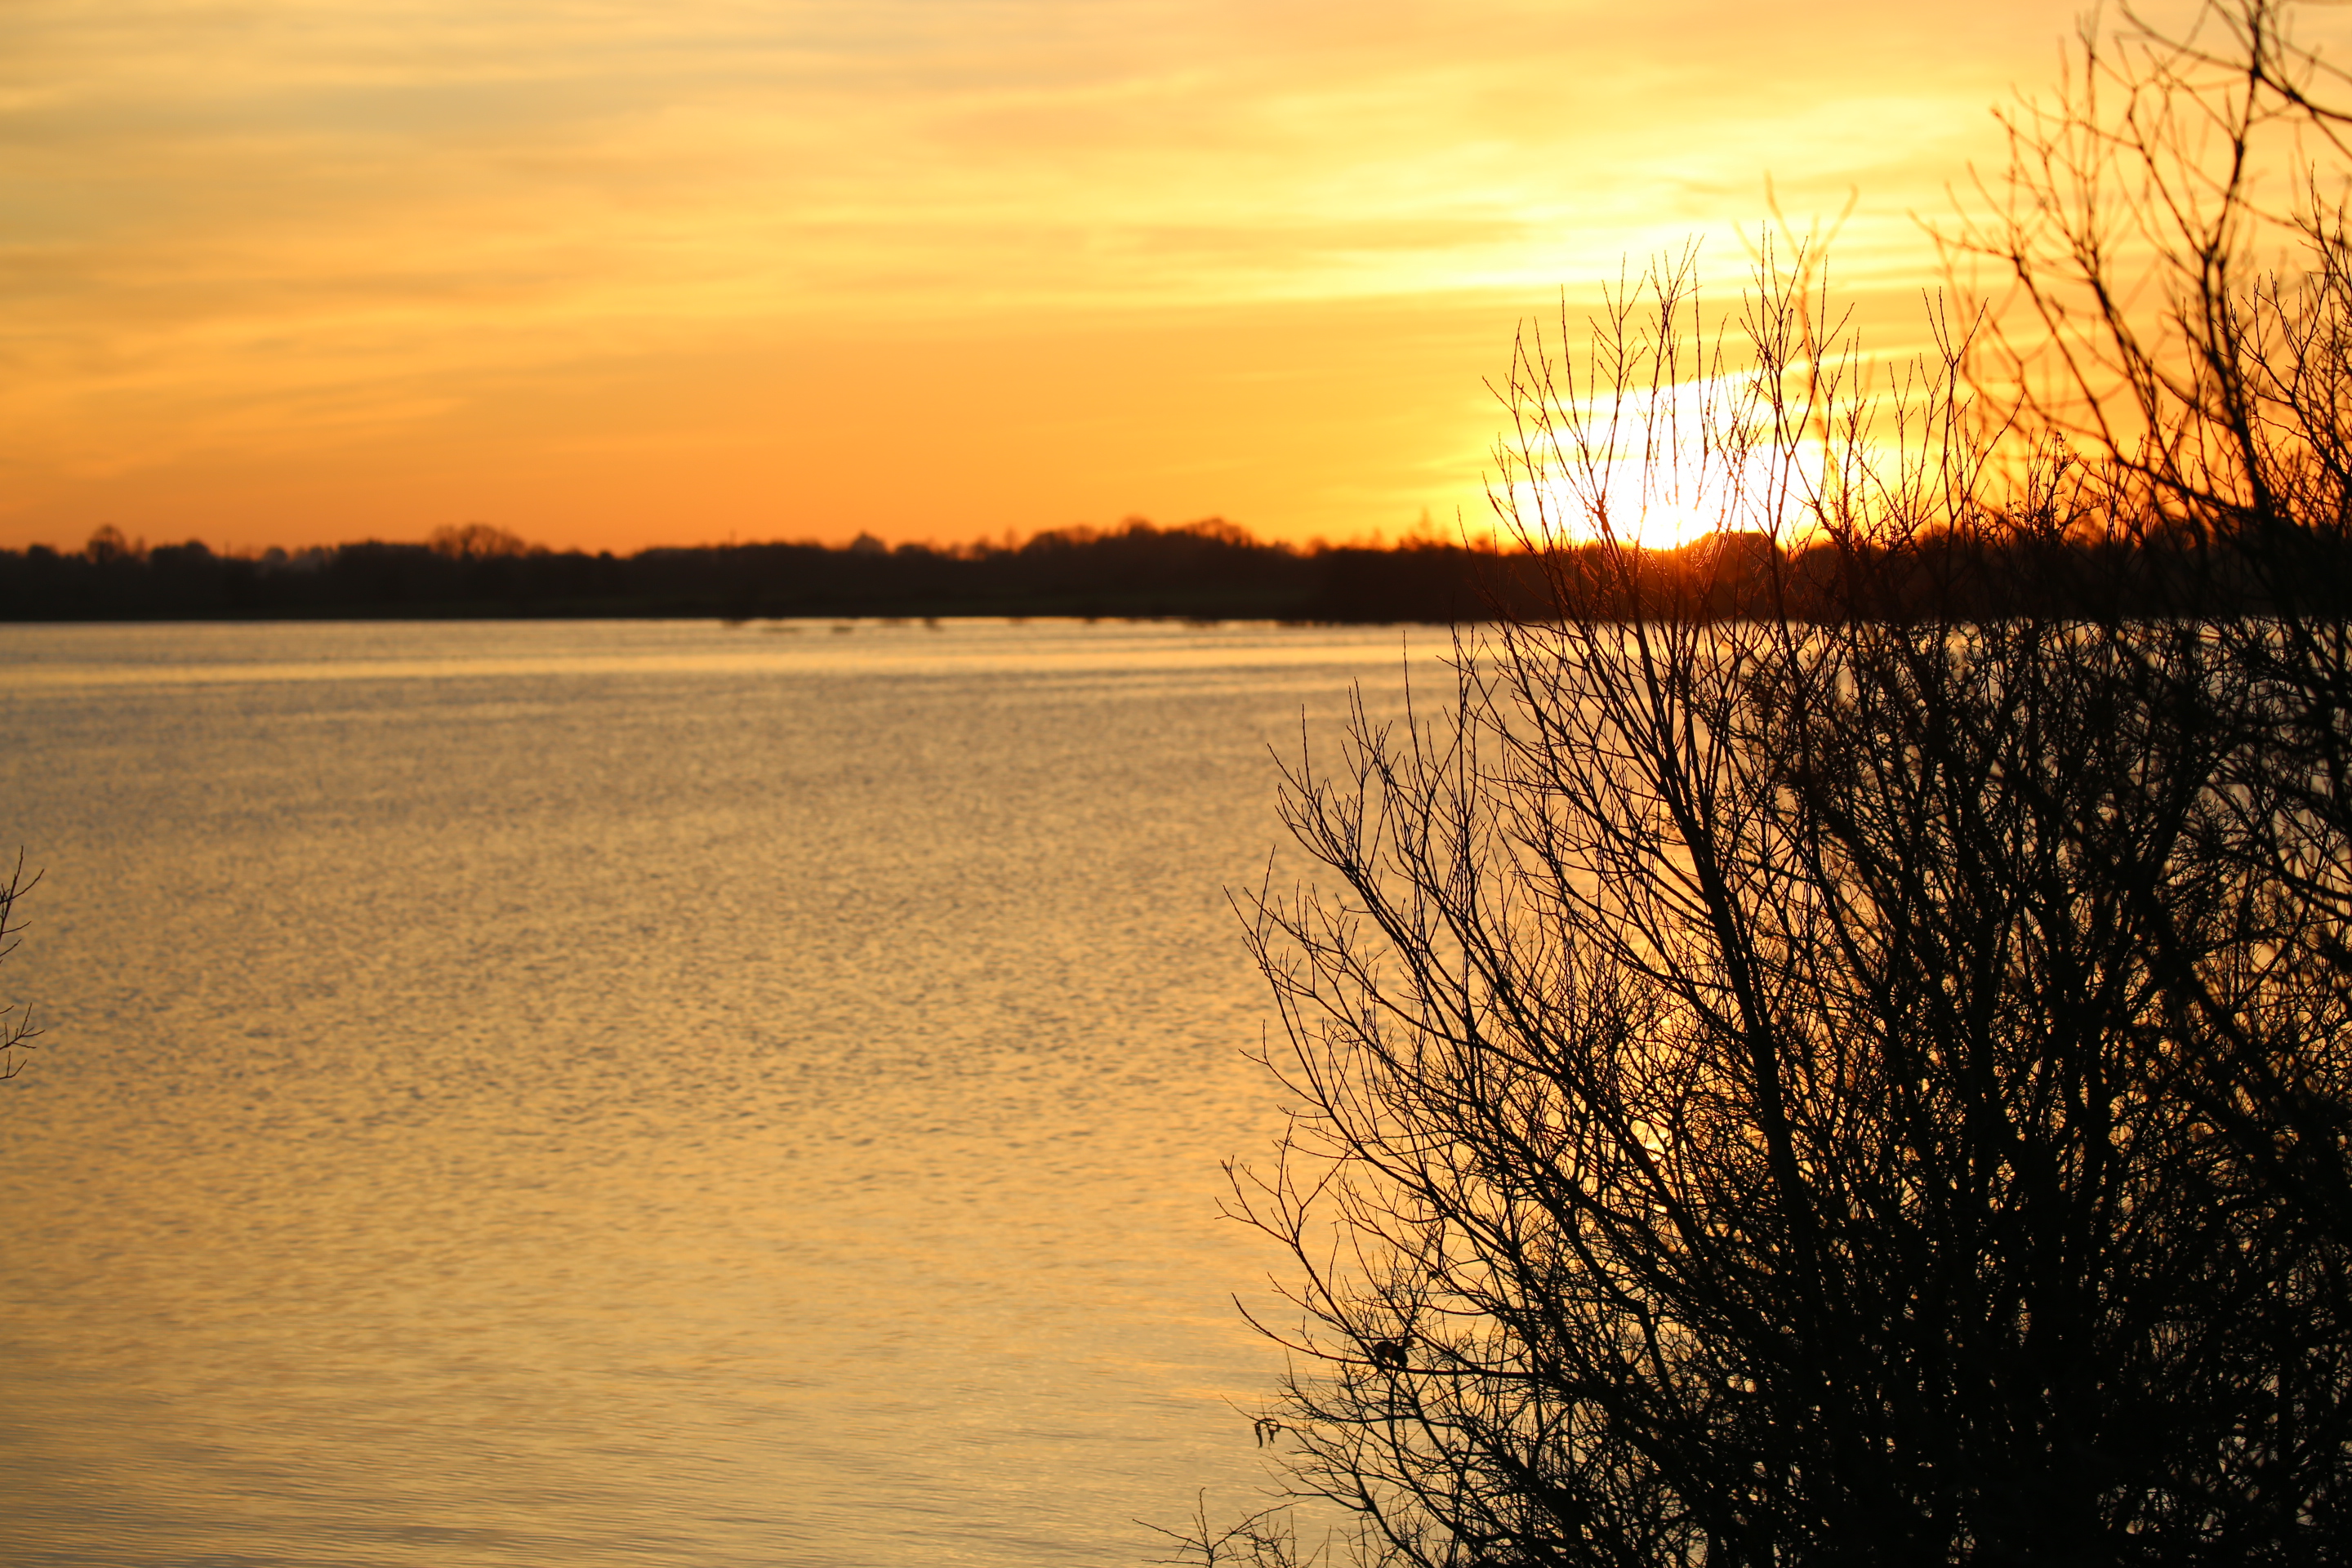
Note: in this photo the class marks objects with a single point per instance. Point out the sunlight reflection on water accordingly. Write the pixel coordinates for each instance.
(170, 655)
(635, 1092)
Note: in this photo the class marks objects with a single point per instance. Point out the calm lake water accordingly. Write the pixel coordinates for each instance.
(636, 1093)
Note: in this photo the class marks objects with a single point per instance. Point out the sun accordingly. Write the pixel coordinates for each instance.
(1666, 468)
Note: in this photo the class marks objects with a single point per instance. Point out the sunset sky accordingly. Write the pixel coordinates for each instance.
(611, 273)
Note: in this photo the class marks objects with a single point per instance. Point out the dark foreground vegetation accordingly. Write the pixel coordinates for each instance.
(1205, 571)
(16, 1030)
(1873, 1089)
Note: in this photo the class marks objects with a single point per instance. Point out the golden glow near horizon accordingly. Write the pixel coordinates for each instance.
(610, 274)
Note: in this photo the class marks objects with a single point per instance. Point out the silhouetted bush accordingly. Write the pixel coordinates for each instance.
(16, 1030)
(1836, 1047)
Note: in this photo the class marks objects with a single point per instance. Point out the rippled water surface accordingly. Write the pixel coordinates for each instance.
(634, 1093)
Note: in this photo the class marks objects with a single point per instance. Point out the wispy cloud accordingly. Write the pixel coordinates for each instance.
(240, 231)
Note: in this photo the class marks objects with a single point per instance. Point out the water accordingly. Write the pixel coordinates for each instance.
(634, 1093)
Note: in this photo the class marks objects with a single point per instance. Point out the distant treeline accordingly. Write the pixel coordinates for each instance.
(1210, 570)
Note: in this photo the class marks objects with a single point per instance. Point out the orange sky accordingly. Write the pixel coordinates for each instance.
(611, 273)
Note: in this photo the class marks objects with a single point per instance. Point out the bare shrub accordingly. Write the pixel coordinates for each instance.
(1856, 1070)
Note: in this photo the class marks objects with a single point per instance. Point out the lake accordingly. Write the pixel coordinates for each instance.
(532, 1093)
